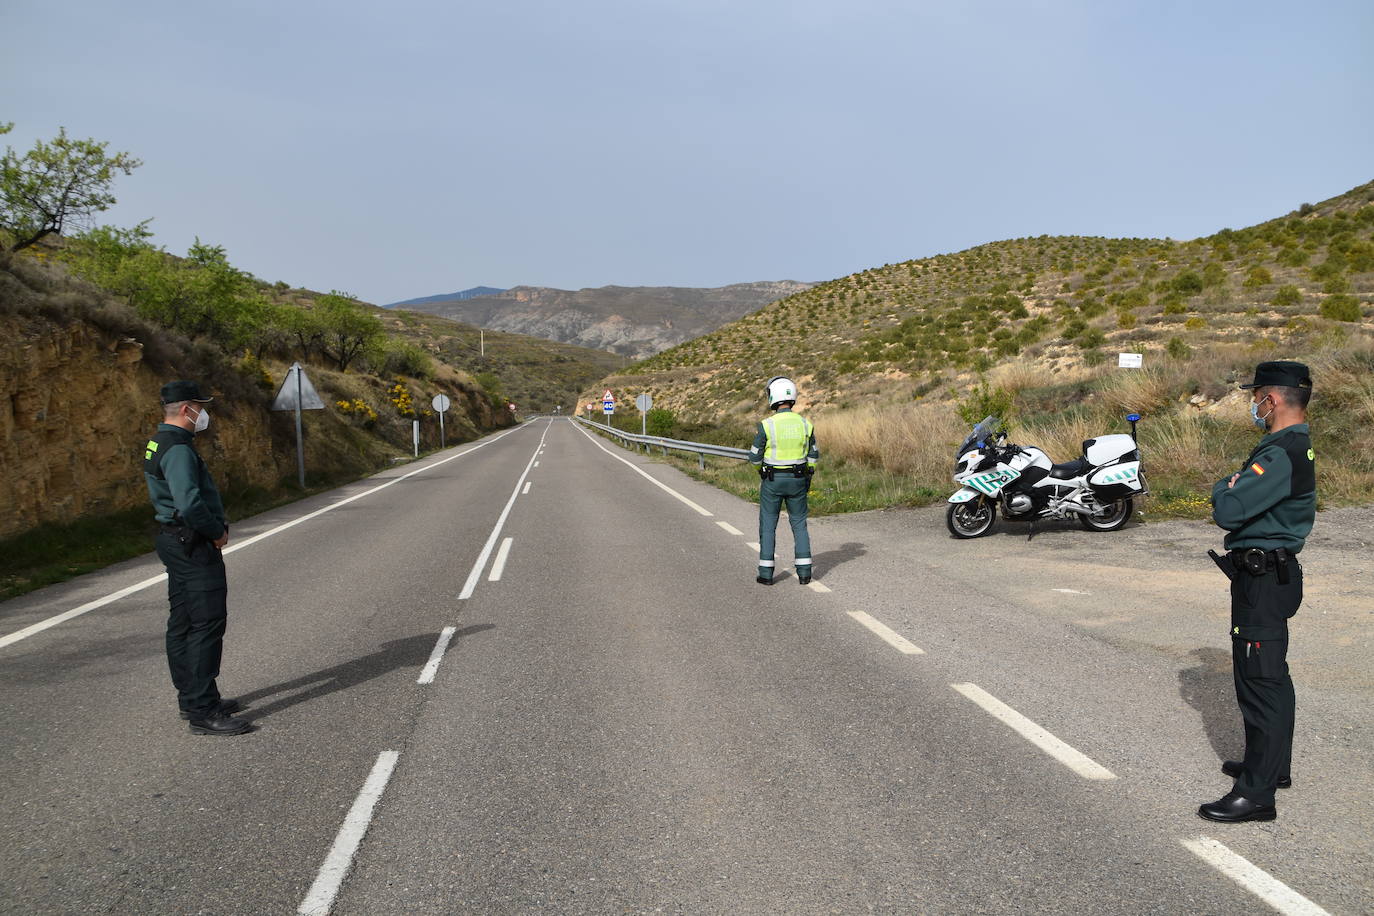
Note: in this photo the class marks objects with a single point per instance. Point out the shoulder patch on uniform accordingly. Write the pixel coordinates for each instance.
(1257, 469)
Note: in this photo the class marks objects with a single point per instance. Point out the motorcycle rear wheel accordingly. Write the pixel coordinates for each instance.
(1110, 517)
(971, 519)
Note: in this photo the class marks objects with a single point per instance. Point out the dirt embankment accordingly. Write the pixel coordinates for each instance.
(79, 401)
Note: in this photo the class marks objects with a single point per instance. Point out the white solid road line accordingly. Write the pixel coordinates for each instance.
(498, 565)
(526, 491)
(1255, 880)
(753, 545)
(482, 558)
(432, 666)
(1081, 764)
(139, 586)
(1068, 591)
(730, 529)
(892, 638)
(632, 466)
(326, 887)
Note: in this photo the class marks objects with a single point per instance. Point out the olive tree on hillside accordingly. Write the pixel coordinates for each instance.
(56, 185)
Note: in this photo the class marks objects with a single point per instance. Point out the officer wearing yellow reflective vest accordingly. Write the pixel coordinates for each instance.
(1267, 509)
(785, 452)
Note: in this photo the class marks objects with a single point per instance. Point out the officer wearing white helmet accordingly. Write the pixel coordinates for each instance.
(785, 452)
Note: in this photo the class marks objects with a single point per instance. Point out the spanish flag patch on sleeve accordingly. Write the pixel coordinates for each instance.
(1257, 469)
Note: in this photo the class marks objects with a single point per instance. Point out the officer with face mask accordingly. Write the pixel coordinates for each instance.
(192, 532)
(1267, 509)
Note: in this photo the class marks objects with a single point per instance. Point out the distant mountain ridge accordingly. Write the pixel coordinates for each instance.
(446, 297)
(635, 321)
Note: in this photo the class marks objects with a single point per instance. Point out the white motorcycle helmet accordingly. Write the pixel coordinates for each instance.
(781, 388)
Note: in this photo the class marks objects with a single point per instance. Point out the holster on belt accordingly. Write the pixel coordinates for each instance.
(1223, 563)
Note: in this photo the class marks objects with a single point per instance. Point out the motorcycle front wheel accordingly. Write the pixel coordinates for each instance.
(1109, 517)
(971, 519)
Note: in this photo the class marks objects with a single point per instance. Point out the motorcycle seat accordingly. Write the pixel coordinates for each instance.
(1070, 469)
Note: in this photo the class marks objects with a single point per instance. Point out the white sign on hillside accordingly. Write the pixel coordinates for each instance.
(1130, 360)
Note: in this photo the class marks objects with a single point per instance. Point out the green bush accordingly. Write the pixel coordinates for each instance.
(1188, 283)
(1125, 320)
(1091, 339)
(1178, 349)
(1341, 308)
(1336, 285)
(1195, 323)
(660, 421)
(1213, 274)
(985, 401)
(1287, 294)
(1292, 256)
(1174, 306)
(1257, 277)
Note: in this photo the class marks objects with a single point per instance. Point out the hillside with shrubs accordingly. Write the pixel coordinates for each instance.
(894, 361)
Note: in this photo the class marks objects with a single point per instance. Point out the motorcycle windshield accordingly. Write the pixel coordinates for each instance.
(984, 431)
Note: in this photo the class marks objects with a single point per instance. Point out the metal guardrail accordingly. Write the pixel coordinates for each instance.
(702, 449)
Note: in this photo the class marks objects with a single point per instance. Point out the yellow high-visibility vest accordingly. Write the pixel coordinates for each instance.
(789, 436)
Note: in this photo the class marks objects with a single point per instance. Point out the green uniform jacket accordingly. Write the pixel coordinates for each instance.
(1274, 501)
(760, 447)
(184, 494)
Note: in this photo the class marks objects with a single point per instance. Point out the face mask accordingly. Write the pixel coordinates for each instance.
(202, 421)
(1255, 415)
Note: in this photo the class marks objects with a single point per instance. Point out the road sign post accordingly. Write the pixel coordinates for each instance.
(644, 402)
(440, 405)
(608, 406)
(298, 394)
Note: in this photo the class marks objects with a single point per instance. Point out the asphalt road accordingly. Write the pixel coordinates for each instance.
(623, 721)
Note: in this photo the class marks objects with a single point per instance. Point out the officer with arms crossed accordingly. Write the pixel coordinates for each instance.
(1267, 509)
(192, 532)
(785, 452)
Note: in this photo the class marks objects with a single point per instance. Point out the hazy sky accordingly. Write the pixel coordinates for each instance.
(408, 148)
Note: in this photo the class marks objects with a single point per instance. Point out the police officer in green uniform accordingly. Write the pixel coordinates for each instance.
(785, 452)
(1267, 509)
(192, 532)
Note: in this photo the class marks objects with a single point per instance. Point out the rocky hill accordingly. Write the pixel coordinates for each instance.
(928, 327)
(636, 321)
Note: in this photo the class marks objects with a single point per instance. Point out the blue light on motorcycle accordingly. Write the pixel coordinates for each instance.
(1132, 418)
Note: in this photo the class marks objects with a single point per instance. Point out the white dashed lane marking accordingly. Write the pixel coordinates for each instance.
(526, 491)
(440, 647)
(730, 529)
(1080, 763)
(886, 633)
(326, 887)
(1254, 879)
(498, 565)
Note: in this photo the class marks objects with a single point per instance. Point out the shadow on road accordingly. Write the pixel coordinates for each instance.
(411, 652)
(1209, 688)
(832, 558)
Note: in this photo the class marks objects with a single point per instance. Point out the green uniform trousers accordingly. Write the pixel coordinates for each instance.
(784, 488)
(1260, 608)
(197, 591)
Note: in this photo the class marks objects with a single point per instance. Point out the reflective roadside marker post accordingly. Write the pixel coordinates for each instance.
(440, 404)
(298, 394)
(415, 436)
(644, 402)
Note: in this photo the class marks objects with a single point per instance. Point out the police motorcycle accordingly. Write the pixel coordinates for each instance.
(1097, 488)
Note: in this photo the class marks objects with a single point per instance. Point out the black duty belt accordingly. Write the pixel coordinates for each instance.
(1257, 562)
